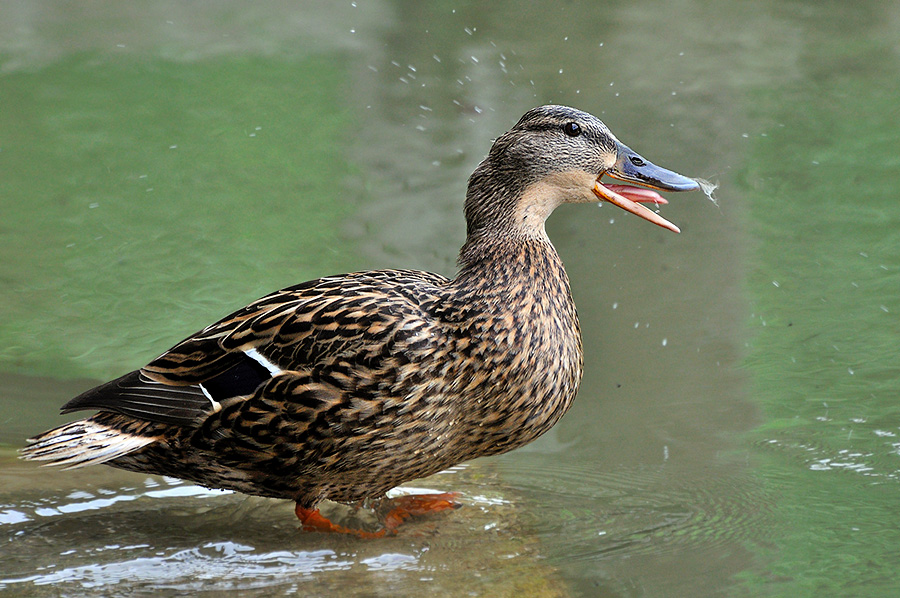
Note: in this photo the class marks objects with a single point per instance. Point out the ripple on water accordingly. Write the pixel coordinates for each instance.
(215, 560)
(853, 446)
(590, 515)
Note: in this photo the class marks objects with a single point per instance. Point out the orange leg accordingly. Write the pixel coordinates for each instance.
(313, 521)
(400, 509)
(415, 505)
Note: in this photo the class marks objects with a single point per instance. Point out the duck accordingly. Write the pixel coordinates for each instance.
(345, 387)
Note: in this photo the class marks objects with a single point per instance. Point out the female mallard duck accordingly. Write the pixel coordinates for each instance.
(346, 386)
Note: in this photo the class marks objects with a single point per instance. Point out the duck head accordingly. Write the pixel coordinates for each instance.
(555, 155)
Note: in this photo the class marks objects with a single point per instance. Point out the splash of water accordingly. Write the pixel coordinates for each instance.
(708, 188)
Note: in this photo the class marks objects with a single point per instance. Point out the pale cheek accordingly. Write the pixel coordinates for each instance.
(580, 195)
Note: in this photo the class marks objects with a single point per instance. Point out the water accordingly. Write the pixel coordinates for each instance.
(736, 433)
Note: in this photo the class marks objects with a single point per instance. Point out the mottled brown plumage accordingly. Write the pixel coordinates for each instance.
(346, 386)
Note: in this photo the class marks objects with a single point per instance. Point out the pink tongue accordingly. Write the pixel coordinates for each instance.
(638, 194)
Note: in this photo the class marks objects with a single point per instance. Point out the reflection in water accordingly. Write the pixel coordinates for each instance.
(165, 534)
(173, 537)
(185, 569)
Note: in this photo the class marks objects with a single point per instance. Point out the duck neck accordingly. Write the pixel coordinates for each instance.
(502, 262)
(506, 211)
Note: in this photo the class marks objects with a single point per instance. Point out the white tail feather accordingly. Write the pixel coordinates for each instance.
(82, 443)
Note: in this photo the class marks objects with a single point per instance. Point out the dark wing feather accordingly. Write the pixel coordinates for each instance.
(137, 396)
(243, 378)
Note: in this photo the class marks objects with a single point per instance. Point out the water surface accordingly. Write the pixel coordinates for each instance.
(736, 430)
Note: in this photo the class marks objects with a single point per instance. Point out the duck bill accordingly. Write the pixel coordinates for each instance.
(632, 168)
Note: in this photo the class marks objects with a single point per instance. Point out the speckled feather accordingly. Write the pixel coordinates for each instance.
(346, 386)
(382, 381)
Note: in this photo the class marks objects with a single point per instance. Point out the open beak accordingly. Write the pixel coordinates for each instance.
(632, 168)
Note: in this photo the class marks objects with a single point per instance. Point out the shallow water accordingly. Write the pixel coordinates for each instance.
(736, 433)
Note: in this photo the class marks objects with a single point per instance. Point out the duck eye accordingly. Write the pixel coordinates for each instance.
(572, 129)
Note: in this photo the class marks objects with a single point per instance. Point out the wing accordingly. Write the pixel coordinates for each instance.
(353, 316)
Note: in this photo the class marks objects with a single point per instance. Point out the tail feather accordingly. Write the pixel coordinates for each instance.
(82, 443)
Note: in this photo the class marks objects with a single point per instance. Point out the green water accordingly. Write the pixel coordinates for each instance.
(736, 433)
(825, 306)
(121, 175)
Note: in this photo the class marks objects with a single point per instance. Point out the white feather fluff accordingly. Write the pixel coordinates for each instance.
(82, 443)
